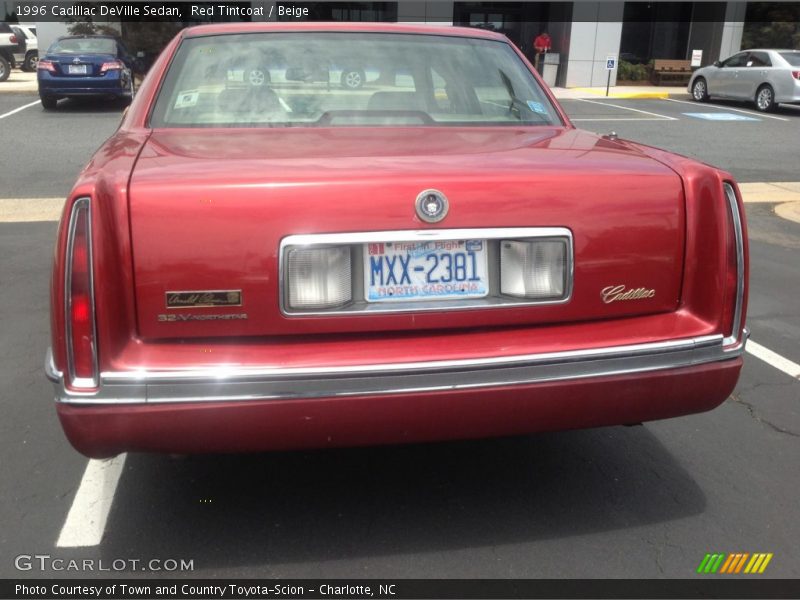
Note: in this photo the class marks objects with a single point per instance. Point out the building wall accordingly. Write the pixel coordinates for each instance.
(595, 34)
(706, 31)
(419, 11)
(732, 29)
(47, 33)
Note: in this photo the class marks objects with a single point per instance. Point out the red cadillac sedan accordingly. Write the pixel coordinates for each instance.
(313, 235)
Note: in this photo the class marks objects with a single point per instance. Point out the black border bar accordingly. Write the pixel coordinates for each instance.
(399, 589)
(181, 11)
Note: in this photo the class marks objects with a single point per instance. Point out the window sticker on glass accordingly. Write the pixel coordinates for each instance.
(187, 99)
(536, 107)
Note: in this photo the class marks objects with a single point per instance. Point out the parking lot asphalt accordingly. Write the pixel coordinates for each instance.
(764, 147)
(644, 501)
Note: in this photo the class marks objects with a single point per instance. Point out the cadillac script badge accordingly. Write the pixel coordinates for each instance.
(613, 293)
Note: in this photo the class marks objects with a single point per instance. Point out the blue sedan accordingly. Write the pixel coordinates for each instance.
(85, 65)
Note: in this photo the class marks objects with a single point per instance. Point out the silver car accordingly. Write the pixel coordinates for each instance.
(765, 77)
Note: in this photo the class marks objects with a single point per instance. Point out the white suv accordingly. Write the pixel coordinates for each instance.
(10, 44)
(28, 60)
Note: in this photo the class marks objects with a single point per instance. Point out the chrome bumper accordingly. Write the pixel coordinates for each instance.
(221, 384)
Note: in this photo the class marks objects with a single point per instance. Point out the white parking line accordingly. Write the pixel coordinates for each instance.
(16, 110)
(644, 112)
(792, 369)
(718, 107)
(623, 119)
(87, 517)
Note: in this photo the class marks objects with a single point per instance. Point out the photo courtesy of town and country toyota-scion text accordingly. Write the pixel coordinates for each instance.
(399, 300)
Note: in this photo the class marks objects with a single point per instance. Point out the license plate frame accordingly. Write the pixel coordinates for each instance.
(417, 271)
(77, 69)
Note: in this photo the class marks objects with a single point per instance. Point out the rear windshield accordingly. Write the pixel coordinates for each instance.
(793, 58)
(347, 79)
(84, 46)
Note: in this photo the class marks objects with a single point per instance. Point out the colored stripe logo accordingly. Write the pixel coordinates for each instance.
(736, 563)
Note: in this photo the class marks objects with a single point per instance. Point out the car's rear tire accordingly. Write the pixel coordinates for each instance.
(353, 79)
(49, 102)
(765, 98)
(5, 69)
(700, 90)
(30, 62)
(259, 76)
(131, 91)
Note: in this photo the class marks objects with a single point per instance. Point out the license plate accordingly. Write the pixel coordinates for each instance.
(76, 69)
(441, 270)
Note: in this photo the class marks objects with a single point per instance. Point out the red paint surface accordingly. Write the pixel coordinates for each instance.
(182, 209)
(282, 425)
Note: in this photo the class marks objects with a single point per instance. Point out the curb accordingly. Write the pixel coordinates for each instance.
(789, 211)
(771, 192)
(27, 210)
(20, 82)
(611, 94)
(784, 194)
(593, 93)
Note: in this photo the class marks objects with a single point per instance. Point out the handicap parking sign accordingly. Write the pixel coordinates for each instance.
(611, 62)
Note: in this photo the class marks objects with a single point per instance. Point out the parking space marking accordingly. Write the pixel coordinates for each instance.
(86, 521)
(621, 119)
(792, 369)
(720, 116)
(747, 112)
(644, 112)
(21, 108)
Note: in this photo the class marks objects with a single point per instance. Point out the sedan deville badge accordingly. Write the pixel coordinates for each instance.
(201, 298)
(613, 293)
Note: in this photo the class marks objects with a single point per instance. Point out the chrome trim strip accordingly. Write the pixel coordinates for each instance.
(50, 370)
(736, 219)
(424, 235)
(78, 205)
(232, 383)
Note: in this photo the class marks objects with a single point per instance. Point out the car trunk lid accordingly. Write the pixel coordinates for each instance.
(209, 210)
(80, 65)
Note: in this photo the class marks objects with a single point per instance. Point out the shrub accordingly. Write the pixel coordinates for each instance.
(631, 72)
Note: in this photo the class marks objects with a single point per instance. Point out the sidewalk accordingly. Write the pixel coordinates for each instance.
(785, 194)
(621, 91)
(19, 82)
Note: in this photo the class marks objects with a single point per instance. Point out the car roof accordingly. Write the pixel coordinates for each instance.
(446, 30)
(87, 36)
(769, 50)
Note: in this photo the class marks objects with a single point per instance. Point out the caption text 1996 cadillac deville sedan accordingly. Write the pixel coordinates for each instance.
(311, 235)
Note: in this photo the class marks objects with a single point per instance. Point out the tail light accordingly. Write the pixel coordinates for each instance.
(796, 74)
(114, 65)
(13, 39)
(735, 272)
(46, 65)
(79, 300)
